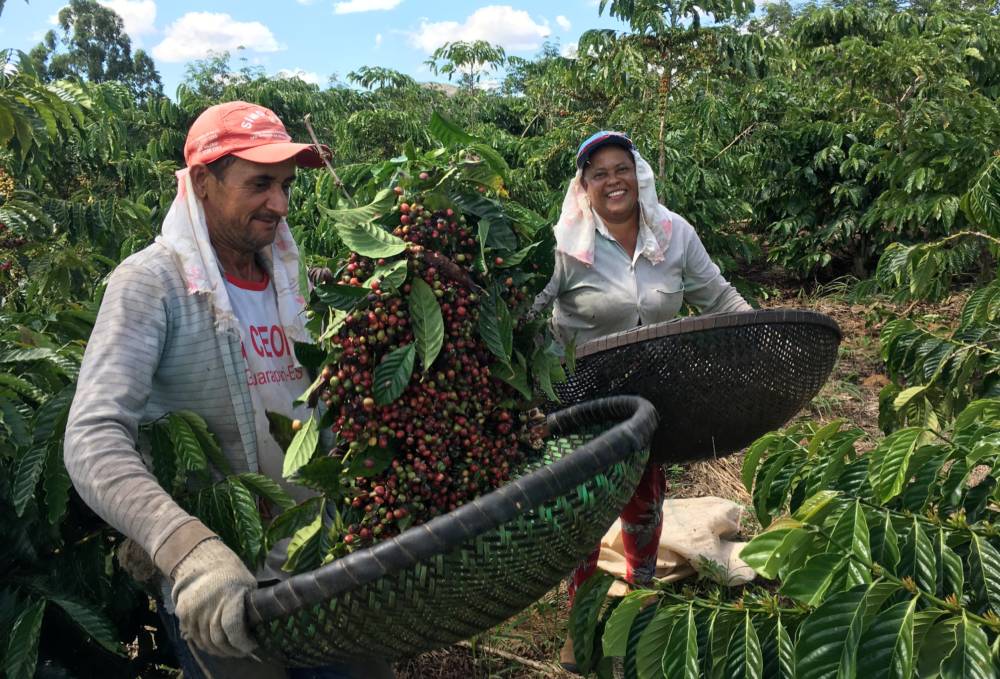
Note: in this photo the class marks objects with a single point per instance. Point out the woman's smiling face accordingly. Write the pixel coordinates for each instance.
(610, 182)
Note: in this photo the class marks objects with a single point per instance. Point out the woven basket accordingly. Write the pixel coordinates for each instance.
(465, 572)
(718, 381)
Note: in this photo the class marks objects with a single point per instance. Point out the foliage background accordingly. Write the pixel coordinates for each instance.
(844, 138)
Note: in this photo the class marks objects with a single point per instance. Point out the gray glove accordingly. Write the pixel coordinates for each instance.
(209, 588)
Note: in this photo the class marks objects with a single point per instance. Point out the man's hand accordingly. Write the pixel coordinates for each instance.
(209, 588)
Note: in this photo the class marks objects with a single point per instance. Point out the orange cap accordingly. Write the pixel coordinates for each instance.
(246, 131)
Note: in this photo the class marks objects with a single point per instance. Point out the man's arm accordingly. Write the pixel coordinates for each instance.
(100, 446)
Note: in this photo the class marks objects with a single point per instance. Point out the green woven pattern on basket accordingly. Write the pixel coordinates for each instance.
(461, 593)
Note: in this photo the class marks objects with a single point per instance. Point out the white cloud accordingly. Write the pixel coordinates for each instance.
(196, 33)
(569, 50)
(305, 2)
(139, 16)
(563, 22)
(378, 40)
(351, 6)
(305, 76)
(514, 29)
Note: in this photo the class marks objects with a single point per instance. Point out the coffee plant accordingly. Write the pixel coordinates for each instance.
(440, 273)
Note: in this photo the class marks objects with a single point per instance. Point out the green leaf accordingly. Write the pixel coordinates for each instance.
(984, 571)
(22, 387)
(970, 658)
(496, 327)
(324, 474)
(745, 658)
(22, 647)
(186, 445)
(285, 524)
(933, 640)
(268, 488)
(786, 650)
(885, 550)
(280, 427)
(342, 297)
(917, 558)
(809, 583)
(755, 453)
(164, 461)
(302, 447)
(767, 552)
(247, 522)
(57, 483)
(886, 648)
(585, 615)
(649, 652)
(49, 422)
(828, 638)
(303, 550)
(541, 368)
(390, 275)
(447, 132)
(950, 571)
(516, 258)
(29, 469)
(851, 533)
(516, 375)
(428, 323)
(369, 240)
(358, 216)
(17, 425)
(722, 625)
(92, 621)
(380, 459)
(619, 625)
(815, 509)
(890, 460)
(680, 654)
(393, 374)
(206, 439)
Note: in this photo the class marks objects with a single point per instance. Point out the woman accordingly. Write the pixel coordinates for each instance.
(624, 260)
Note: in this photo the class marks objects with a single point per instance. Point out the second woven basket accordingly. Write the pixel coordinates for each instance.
(718, 381)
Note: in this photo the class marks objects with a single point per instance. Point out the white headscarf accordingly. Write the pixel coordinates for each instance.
(185, 234)
(577, 226)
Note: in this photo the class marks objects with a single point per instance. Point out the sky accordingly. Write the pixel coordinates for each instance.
(315, 39)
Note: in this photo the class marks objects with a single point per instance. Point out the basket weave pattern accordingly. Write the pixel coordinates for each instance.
(465, 572)
(718, 382)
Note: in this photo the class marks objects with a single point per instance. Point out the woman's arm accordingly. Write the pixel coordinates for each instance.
(704, 285)
(548, 295)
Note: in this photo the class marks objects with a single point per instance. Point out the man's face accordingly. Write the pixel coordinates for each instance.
(244, 207)
(610, 182)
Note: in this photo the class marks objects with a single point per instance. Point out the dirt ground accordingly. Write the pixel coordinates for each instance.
(528, 646)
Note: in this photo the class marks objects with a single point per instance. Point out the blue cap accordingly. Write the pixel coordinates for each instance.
(599, 139)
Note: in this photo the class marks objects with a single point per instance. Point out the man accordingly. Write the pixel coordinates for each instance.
(203, 319)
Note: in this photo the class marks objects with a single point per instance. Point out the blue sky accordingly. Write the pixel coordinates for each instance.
(317, 38)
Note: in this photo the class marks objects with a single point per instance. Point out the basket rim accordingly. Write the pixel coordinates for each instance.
(636, 420)
(704, 322)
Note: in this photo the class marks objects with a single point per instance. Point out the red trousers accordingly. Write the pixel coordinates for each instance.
(642, 521)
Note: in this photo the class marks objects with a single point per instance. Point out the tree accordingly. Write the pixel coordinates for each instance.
(93, 46)
(468, 59)
(665, 38)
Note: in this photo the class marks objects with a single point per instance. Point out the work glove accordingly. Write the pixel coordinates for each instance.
(210, 584)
